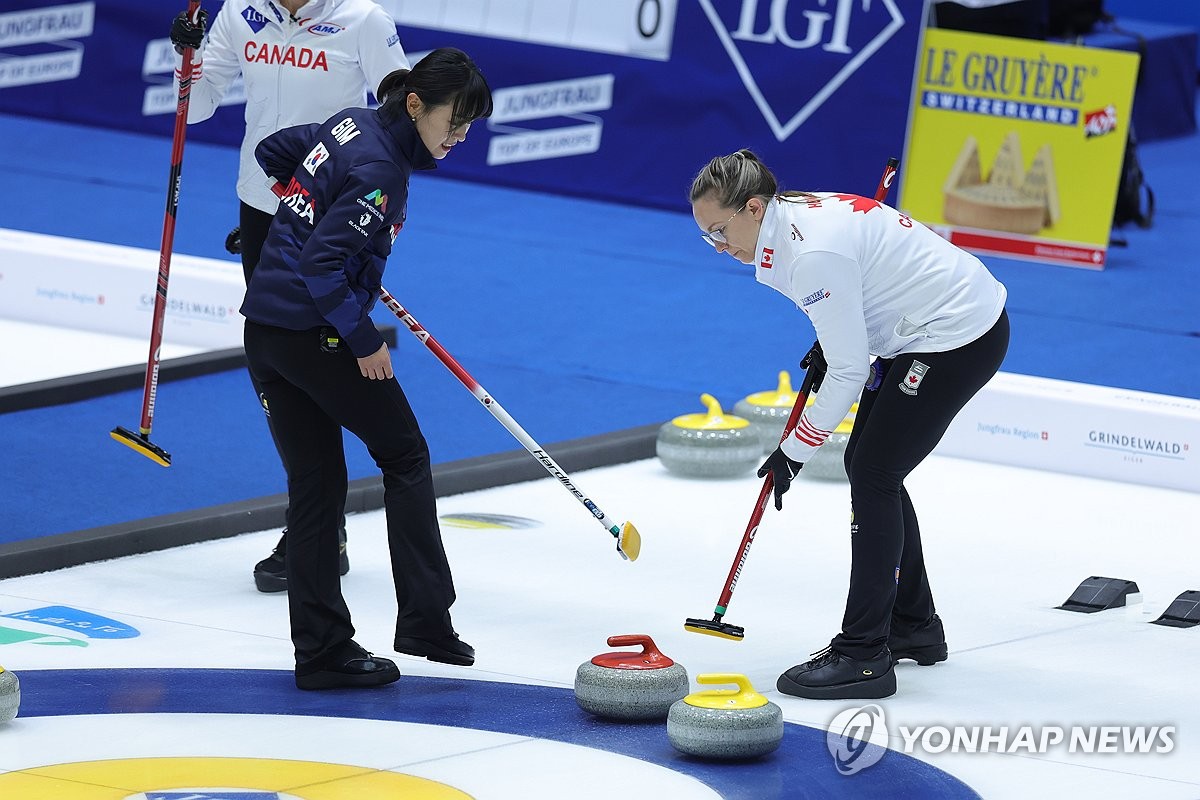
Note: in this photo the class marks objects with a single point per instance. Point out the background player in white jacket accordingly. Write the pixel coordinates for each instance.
(301, 61)
(905, 314)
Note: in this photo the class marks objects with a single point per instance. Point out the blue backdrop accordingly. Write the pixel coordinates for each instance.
(819, 88)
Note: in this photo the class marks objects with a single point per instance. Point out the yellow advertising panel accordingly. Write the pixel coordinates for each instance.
(1015, 146)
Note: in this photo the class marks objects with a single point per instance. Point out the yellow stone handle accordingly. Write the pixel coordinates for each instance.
(743, 696)
(712, 404)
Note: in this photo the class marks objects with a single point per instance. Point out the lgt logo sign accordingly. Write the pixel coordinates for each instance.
(836, 38)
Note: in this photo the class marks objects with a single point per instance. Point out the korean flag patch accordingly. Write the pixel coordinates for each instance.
(316, 158)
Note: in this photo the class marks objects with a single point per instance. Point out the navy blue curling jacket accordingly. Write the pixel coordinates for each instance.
(346, 189)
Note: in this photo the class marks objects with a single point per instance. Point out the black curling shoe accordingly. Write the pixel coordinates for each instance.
(443, 649)
(834, 676)
(270, 574)
(349, 666)
(926, 645)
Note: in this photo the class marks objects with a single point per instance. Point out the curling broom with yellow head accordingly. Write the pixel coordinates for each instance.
(140, 442)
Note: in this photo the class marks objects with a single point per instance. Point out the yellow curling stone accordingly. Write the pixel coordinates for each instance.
(710, 445)
(768, 411)
(725, 723)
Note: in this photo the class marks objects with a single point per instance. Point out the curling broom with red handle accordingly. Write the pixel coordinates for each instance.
(140, 442)
(715, 626)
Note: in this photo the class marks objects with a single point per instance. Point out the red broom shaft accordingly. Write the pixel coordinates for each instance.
(150, 389)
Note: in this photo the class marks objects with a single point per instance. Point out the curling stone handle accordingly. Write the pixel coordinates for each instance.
(649, 648)
(712, 404)
(742, 682)
(743, 696)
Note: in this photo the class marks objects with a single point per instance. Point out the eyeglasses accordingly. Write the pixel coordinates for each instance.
(717, 235)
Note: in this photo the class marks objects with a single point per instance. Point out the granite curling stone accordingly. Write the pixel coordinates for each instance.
(767, 412)
(829, 462)
(629, 685)
(725, 723)
(10, 695)
(711, 445)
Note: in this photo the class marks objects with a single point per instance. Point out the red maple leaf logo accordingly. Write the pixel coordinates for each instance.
(860, 203)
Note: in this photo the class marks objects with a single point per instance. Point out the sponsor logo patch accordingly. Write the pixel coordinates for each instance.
(815, 297)
(255, 20)
(1098, 123)
(379, 199)
(325, 29)
(912, 381)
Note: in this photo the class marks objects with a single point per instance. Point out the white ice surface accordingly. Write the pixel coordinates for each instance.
(1003, 546)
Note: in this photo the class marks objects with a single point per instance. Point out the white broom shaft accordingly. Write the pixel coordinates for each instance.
(497, 410)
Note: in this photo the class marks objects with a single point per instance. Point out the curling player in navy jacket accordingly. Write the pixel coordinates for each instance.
(321, 365)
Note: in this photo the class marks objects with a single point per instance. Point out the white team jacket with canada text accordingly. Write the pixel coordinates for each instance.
(874, 282)
(296, 71)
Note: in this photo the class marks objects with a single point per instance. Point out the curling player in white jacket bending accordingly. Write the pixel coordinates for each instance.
(902, 313)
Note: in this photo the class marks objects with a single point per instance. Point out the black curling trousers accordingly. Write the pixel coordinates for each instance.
(894, 430)
(253, 225)
(309, 395)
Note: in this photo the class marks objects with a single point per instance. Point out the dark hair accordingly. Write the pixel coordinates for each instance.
(446, 75)
(733, 179)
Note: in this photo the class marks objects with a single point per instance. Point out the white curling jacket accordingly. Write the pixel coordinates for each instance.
(296, 71)
(873, 282)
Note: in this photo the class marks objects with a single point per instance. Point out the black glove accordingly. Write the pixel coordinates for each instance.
(814, 360)
(784, 471)
(186, 34)
(233, 242)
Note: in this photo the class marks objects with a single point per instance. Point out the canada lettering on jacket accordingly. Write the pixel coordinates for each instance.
(300, 57)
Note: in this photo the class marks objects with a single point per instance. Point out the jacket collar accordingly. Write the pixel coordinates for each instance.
(273, 10)
(404, 134)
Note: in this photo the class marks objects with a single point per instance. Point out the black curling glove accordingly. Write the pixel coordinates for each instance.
(784, 470)
(185, 33)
